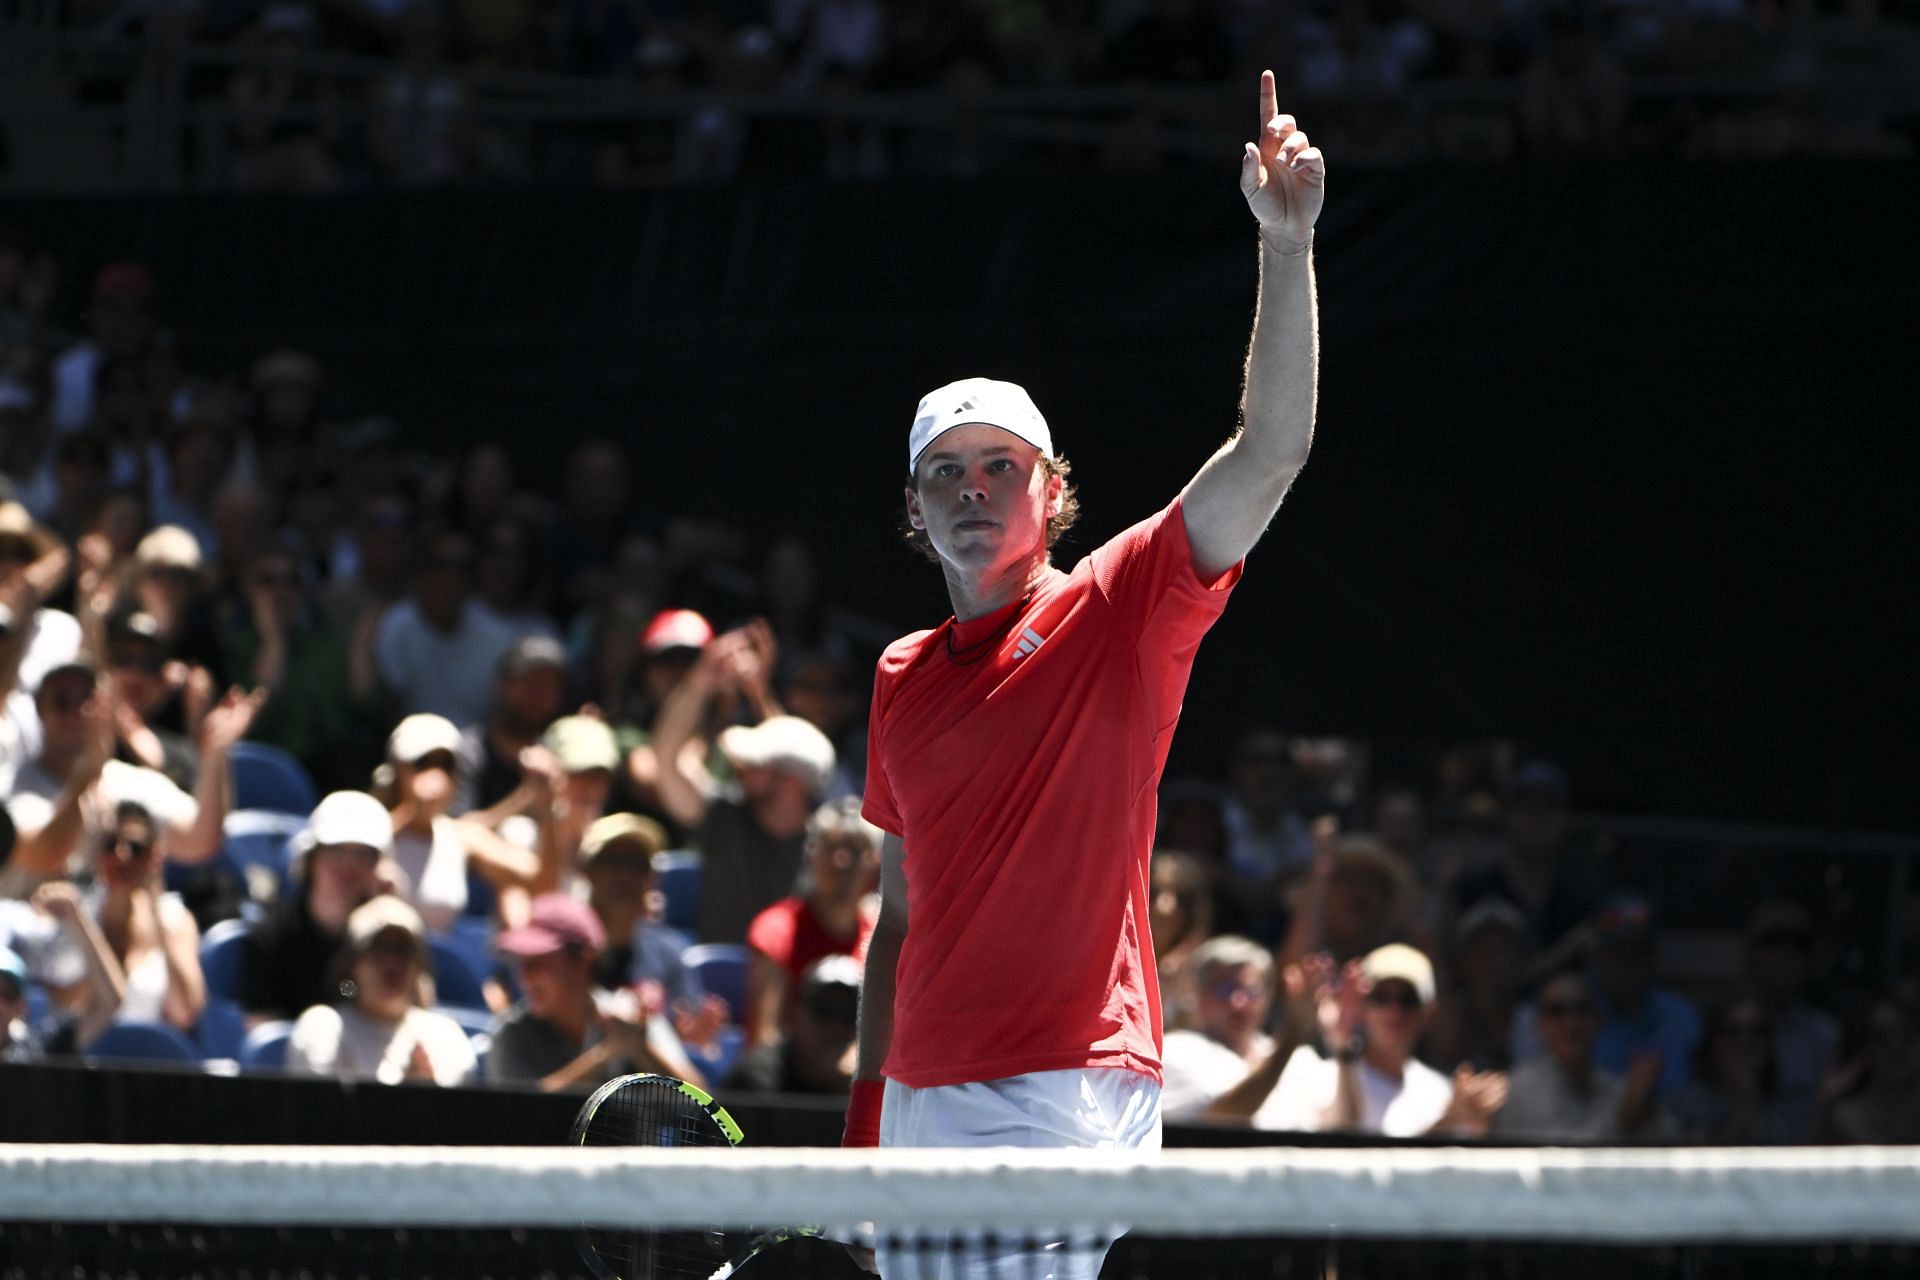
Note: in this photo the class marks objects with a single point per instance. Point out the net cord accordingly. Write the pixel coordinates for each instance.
(1647, 1195)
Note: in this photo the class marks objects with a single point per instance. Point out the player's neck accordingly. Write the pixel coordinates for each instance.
(975, 594)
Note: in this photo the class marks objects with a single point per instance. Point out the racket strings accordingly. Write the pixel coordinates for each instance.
(646, 1113)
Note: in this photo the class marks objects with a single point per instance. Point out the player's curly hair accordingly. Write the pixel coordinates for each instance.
(1057, 524)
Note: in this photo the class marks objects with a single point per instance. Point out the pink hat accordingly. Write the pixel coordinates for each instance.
(557, 922)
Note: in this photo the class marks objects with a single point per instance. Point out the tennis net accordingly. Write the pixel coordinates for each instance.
(263, 1213)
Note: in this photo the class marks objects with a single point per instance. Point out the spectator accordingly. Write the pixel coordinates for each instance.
(326, 695)
(287, 960)
(381, 1032)
(597, 512)
(372, 573)
(819, 689)
(751, 834)
(563, 1034)
(834, 916)
(431, 849)
(511, 582)
(119, 320)
(1358, 897)
(1535, 871)
(199, 458)
(1180, 919)
(814, 1052)
(1873, 1095)
(150, 931)
(584, 756)
(1563, 1095)
(33, 565)
(1268, 846)
(87, 1000)
(529, 690)
(1373, 1083)
(1638, 1017)
(1779, 942)
(616, 860)
(437, 649)
(670, 645)
(170, 586)
(1474, 1023)
(1225, 1067)
(1735, 1097)
(63, 802)
(145, 699)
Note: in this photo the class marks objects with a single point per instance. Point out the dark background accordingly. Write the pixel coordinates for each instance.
(1615, 460)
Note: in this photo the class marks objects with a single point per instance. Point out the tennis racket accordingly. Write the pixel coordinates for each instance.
(653, 1111)
(659, 1111)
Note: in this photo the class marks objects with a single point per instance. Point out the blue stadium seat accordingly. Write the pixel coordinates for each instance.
(265, 1046)
(266, 777)
(221, 948)
(222, 1028)
(257, 843)
(678, 871)
(143, 1042)
(455, 980)
(720, 968)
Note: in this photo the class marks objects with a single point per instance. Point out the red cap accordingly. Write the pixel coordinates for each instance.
(557, 922)
(676, 629)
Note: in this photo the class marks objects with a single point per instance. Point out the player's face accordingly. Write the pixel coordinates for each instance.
(983, 498)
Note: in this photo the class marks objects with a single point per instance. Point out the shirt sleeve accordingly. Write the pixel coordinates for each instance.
(878, 805)
(771, 933)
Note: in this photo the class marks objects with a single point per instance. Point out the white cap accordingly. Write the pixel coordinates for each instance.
(348, 817)
(781, 742)
(421, 735)
(982, 401)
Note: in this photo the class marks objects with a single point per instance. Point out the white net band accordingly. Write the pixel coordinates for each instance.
(1646, 1196)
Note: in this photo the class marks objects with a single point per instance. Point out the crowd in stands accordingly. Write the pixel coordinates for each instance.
(322, 753)
(1710, 78)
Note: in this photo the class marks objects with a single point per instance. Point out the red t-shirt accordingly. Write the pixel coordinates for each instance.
(790, 935)
(1022, 780)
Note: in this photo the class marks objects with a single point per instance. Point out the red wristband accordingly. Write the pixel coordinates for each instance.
(863, 1114)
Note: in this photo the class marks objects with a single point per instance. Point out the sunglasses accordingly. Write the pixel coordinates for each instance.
(441, 760)
(135, 850)
(1227, 989)
(18, 552)
(1409, 1000)
(69, 700)
(150, 663)
(397, 947)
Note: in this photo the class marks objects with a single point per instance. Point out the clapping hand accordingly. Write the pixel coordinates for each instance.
(228, 720)
(1283, 177)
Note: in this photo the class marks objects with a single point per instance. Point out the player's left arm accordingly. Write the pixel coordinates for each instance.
(1229, 504)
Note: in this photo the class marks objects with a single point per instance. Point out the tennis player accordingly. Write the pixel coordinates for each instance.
(1015, 750)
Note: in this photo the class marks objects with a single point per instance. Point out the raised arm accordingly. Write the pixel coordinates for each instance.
(1229, 504)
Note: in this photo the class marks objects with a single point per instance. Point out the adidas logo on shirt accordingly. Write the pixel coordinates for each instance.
(1030, 640)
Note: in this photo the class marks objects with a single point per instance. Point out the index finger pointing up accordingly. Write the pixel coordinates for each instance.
(1268, 106)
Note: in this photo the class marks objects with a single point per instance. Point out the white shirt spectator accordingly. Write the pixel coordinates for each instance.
(52, 956)
(436, 871)
(1402, 1108)
(447, 673)
(36, 794)
(1198, 1069)
(348, 1045)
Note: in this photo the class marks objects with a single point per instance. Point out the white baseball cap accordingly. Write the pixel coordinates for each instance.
(420, 735)
(781, 742)
(348, 817)
(981, 401)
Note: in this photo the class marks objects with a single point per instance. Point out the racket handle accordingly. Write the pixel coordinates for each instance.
(863, 1114)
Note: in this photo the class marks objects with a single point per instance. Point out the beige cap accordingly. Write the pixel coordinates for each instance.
(781, 742)
(377, 915)
(581, 743)
(1396, 960)
(623, 832)
(17, 522)
(170, 546)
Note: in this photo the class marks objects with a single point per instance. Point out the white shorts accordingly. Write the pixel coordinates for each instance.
(1093, 1108)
